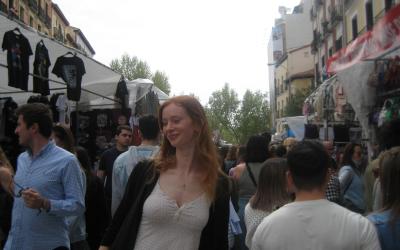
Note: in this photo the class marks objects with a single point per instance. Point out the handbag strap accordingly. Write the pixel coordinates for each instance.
(251, 175)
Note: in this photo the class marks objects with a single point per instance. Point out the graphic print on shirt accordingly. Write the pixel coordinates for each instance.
(71, 70)
(41, 69)
(69, 75)
(18, 52)
(16, 56)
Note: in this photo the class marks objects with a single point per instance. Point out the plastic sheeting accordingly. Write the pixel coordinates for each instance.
(359, 94)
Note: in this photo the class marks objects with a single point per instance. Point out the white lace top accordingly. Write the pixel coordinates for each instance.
(252, 218)
(164, 225)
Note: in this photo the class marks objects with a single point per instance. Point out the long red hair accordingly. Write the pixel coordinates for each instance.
(205, 151)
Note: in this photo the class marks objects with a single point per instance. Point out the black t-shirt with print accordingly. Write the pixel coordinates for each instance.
(71, 70)
(41, 68)
(18, 52)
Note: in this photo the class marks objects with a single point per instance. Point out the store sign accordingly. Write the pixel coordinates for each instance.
(383, 37)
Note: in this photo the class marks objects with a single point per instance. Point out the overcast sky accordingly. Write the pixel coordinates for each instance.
(200, 45)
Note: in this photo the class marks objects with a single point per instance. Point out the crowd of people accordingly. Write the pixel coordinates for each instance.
(176, 190)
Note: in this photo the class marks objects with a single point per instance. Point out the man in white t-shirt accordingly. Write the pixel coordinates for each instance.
(311, 221)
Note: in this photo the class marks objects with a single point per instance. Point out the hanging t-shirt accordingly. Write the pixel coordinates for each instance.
(41, 68)
(122, 93)
(62, 108)
(18, 52)
(71, 70)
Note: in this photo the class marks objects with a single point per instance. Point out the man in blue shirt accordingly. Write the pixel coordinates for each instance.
(47, 186)
(125, 162)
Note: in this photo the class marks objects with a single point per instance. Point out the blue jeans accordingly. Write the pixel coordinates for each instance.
(242, 237)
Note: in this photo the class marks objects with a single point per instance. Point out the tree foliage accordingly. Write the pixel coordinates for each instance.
(132, 68)
(222, 107)
(236, 120)
(295, 104)
(254, 116)
(160, 79)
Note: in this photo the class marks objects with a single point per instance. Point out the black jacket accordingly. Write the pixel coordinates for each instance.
(124, 227)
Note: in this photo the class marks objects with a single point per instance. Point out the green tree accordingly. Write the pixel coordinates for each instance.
(131, 67)
(295, 104)
(254, 116)
(126, 66)
(237, 120)
(160, 79)
(221, 111)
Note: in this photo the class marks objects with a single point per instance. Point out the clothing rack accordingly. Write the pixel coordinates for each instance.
(58, 82)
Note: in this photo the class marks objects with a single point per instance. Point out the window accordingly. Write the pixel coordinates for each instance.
(354, 27)
(330, 51)
(39, 28)
(338, 44)
(317, 72)
(388, 5)
(47, 9)
(31, 21)
(21, 14)
(369, 13)
(323, 61)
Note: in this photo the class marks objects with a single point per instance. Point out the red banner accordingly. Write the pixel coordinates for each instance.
(383, 37)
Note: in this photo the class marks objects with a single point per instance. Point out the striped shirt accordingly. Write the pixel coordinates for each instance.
(55, 174)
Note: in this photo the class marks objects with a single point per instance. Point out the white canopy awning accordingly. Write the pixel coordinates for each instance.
(98, 79)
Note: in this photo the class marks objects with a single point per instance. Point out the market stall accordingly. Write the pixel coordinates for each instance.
(368, 68)
(83, 93)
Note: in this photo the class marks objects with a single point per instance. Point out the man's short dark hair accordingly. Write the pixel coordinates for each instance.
(148, 126)
(389, 135)
(37, 113)
(122, 127)
(308, 164)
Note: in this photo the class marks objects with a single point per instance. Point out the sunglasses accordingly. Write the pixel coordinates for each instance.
(19, 193)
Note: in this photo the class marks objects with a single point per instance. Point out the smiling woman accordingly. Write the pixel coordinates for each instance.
(181, 199)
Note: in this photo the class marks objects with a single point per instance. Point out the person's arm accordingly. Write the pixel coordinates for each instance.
(368, 236)
(101, 172)
(74, 193)
(117, 186)
(345, 178)
(6, 178)
(135, 183)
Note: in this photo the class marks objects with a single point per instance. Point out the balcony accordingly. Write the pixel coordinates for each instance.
(326, 28)
(48, 22)
(313, 13)
(336, 15)
(33, 5)
(41, 14)
(318, 4)
(316, 42)
(57, 34)
(3, 7)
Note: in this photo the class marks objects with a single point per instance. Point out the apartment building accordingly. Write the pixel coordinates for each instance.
(290, 59)
(46, 17)
(336, 23)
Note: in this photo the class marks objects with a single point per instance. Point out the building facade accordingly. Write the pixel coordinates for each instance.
(47, 18)
(336, 23)
(291, 62)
